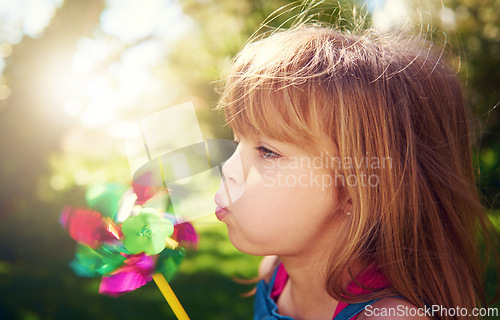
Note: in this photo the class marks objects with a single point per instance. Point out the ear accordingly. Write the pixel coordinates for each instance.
(348, 207)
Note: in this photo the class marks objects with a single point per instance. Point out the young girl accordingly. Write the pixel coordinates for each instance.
(353, 175)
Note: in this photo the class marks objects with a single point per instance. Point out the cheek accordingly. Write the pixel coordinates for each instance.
(255, 231)
(291, 189)
(279, 206)
(258, 218)
(280, 210)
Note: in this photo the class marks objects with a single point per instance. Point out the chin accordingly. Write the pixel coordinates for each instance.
(246, 246)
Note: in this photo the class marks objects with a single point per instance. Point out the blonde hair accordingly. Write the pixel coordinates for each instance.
(386, 97)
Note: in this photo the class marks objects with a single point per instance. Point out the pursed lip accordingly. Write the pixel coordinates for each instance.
(221, 211)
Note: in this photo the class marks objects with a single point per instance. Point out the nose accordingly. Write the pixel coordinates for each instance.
(233, 177)
(232, 169)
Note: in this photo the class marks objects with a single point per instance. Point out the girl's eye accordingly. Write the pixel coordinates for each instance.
(266, 153)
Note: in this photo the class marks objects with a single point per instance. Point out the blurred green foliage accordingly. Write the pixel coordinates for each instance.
(40, 173)
(475, 39)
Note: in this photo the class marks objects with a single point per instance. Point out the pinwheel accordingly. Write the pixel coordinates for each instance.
(127, 238)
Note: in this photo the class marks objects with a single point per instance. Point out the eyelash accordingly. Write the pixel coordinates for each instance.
(263, 151)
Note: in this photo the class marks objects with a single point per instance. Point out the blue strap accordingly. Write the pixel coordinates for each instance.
(265, 308)
(353, 309)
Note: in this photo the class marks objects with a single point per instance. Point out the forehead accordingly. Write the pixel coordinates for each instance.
(275, 96)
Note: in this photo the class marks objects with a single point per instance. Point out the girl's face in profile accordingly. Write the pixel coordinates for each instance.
(276, 204)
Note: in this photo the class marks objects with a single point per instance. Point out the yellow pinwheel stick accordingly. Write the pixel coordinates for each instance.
(170, 296)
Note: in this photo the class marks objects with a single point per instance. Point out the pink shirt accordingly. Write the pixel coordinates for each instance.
(372, 279)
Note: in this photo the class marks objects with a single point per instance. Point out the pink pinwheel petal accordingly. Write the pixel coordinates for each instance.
(123, 282)
(185, 234)
(88, 227)
(140, 261)
(136, 272)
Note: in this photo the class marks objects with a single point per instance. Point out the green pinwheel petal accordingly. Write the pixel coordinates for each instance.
(146, 232)
(105, 198)
(169, 261)
(96, 262)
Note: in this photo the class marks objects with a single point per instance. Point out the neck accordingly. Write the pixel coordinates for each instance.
(304, 295)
